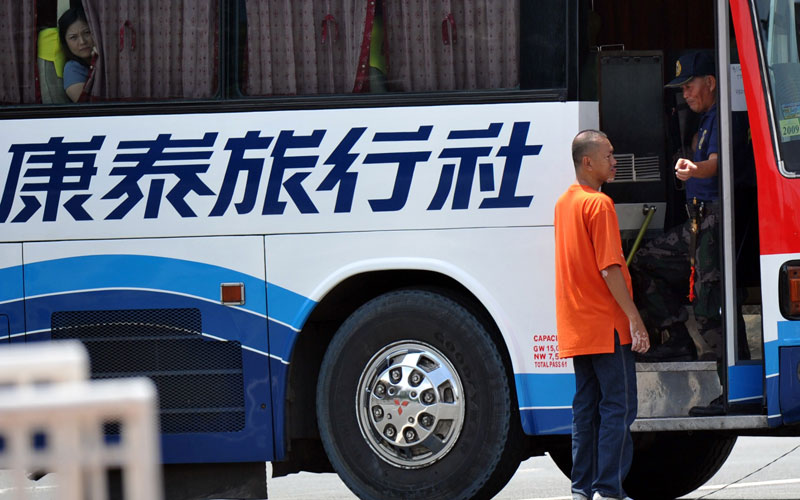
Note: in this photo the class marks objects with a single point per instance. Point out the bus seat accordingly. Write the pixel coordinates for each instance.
(50, 63)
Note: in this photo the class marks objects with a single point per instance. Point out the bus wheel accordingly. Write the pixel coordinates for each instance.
(413, 401)
(665, 465)
(668, 465)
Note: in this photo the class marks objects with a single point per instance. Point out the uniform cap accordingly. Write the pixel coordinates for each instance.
(692, 65)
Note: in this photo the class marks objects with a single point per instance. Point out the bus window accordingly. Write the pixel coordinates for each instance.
(314, 47)
(18, 46)
(543, 45)
(155, 51)
(779, 22)
(160, 50)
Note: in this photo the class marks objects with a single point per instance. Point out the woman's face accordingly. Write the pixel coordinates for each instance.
(79, 40)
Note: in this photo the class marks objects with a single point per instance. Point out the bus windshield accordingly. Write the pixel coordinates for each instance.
(779, 26)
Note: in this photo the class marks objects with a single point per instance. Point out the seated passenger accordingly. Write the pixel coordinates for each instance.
(76, 39)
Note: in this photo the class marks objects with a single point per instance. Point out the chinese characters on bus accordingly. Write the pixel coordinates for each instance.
(45, 177)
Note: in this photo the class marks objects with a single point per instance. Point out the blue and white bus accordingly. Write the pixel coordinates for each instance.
(324, 228)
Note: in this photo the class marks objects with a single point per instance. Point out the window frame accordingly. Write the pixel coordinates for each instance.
(230, 99)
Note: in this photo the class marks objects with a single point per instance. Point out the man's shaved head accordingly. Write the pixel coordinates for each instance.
(584, 143)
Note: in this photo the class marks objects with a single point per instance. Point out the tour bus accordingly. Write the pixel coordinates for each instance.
(324, 228)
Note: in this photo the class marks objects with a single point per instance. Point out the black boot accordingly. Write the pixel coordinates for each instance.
(679, 347)
(713, 409)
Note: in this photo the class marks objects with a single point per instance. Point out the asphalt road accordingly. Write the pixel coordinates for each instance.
(749, 473)
(758, 469)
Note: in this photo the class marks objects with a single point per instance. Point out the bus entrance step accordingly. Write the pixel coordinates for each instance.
(677, 366)
(726, 422)
(671, 389)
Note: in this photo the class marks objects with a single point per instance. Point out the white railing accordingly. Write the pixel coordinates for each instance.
(52, 419)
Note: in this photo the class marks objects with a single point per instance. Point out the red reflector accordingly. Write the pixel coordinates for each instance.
(794, 289)
(232, 294)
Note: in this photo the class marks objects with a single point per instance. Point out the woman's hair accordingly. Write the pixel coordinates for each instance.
(64, 22)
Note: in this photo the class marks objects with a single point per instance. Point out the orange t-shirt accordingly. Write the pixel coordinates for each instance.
(587, 241)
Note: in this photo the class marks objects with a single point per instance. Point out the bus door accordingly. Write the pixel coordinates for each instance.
(771, 71)
(12, 320)
(650, 127)
(742, 305)
(190, 313)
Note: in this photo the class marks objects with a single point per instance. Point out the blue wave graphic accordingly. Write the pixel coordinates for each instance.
(139, 271)
(157, 273)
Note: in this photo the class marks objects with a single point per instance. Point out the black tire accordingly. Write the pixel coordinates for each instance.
(461, 423)
(560, 452)
(666, 465)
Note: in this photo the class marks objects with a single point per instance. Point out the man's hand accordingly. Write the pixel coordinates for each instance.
(685, 169)
(619, 290)
(640, 340)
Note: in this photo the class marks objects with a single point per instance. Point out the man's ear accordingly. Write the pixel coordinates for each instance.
(711, 81)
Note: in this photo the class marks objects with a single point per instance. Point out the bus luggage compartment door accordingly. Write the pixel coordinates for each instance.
(790, 384)
(11, 307)
(156, 308)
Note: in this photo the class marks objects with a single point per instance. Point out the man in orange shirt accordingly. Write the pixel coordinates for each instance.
(598, 323)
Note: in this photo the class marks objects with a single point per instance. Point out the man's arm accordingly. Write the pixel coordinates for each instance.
(685, 169)
(615, 282)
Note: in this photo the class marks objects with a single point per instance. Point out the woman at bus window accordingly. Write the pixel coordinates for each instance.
(76, 37)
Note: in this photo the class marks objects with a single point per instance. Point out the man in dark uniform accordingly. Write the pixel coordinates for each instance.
(683, 265)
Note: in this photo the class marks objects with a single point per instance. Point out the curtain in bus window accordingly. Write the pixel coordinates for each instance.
(17, 52)
(151, 49)
(451, 44)
(303, 46)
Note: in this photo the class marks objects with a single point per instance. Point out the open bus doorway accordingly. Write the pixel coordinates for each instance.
(629, 52)
(627, 64)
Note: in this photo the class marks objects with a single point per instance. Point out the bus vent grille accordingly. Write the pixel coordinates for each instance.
(200, 381)
(632, 168)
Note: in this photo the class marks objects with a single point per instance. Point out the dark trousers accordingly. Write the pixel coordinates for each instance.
(660, 271)
(603, 409)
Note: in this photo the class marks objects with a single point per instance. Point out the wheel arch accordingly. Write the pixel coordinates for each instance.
(336, 299)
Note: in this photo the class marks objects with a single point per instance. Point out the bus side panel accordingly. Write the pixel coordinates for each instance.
(153, 308)
(12, 316)
(294, 171)
(778, 238)
(779, 333)
(302, 269)
(288, 312)
(519, 298)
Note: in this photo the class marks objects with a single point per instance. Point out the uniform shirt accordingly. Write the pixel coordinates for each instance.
(587, 241)
(707, 143)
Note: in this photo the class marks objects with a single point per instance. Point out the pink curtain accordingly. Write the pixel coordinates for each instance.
(17, 52)
(452, 44)
(155, 49)
(304, 46)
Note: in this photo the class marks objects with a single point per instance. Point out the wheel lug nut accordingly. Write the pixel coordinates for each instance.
(426, 420)
(410, 435)
(390, 432)
(380, 390)
(395, 375)
(428, 397)
(415, 378)
(377, 412)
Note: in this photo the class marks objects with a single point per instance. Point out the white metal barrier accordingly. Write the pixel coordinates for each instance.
(53, 419)
(42, 362)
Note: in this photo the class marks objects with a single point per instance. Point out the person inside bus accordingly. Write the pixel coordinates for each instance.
(76, 37)
(684, 261)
